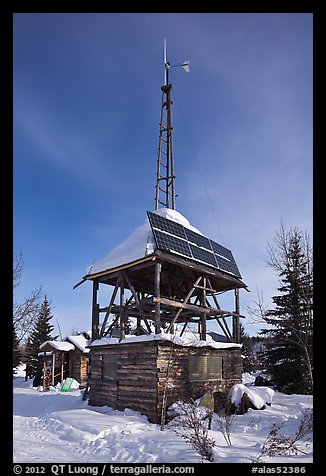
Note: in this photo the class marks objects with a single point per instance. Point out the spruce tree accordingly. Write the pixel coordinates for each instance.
(42, 329)
(288, 355)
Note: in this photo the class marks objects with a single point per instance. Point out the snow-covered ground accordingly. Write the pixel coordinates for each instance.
(52, 427)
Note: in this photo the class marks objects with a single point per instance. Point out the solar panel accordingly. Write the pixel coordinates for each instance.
(171, 243)
(175, 238)
(169, 226)
(197, 239)
(228, 265)
(221, 250)
(203, 255)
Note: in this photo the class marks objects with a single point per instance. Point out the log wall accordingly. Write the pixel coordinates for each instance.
(147, 371)
(78, 365)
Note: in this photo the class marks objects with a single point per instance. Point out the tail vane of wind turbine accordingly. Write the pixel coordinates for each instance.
(167, 65)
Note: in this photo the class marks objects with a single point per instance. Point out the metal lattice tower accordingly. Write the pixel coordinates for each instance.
(165, 178)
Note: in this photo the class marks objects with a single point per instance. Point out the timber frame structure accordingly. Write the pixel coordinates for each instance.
(165, 290)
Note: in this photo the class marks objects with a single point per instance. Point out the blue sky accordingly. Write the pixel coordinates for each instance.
(86, 122)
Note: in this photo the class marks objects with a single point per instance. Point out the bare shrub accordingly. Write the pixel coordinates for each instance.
(277, 444)
(191, 427)
(224, 421)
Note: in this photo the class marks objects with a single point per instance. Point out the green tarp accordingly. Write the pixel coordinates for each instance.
(67, 383)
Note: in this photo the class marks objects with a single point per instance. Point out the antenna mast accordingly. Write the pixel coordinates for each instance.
(165, 178)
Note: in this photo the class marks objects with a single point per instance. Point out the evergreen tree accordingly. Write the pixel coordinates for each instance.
(41, 331)
(288, 355)
(16, 351)
(246, 349)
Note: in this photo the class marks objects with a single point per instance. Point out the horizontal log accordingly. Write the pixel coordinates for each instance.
(137, 369)
(140, 405)
(131, 389)
(129, 382)
(102, 382)
(139, 362)
(181, 305)
(101, 403)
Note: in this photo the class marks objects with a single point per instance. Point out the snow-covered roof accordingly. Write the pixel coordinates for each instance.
(188, 339)
(79, 341)
(138, 245)
(58, 345)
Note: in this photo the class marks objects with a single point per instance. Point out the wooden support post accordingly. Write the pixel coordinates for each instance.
(222, 327)
(236, 319)
(158, 267)
(44, 370)
(169, 329)
(122, 307)
(108, 311)
(202, 334)
(62, 364)
(95, 311)
(183, 329)
(139, 306)
(53, 367)
(138, 324)
(226, 327)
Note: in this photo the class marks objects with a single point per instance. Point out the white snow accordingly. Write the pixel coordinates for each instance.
(58, 345)
(188, 339)
(138, 245)
(80, 342)
(266, 393)
(237, 392)
(56, 427)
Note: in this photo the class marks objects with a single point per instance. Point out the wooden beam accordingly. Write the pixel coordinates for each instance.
(95, 312)
(222, 327)
(108, 312)
(137, 264)
(183, 304)
(44, 370)
(205, 288)
(62, 365)
(214, 297)
(183, 329)
(232, 281)
(53, 367)
(202, 334)
(226, 327)
(235, 319)
(158, 268)
(122, 308)
(132, 289)
(113, 323)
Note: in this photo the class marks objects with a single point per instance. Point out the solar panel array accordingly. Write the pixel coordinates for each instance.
(175, 238)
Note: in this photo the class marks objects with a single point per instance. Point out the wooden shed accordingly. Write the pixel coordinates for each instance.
(62, 359)
(149, 373)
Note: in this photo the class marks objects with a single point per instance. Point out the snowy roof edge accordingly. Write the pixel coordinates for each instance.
(165, 337)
